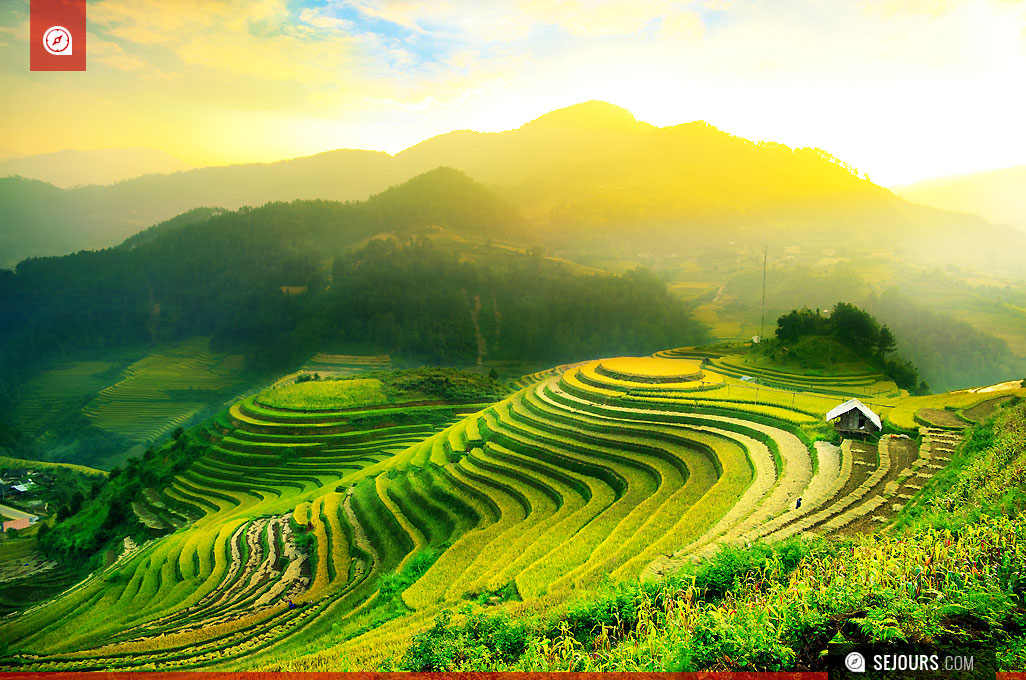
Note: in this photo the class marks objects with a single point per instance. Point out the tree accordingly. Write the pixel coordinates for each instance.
(789, 327)
(800, 323)
(886, 343)
(854, 327)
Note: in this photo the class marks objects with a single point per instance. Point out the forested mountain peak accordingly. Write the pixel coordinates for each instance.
(447, 197)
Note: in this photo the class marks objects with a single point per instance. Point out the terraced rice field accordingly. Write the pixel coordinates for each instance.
(51, 392)
(346, 364)
(163, 391)
(866, 384)
(538, 376)
(26, 575)
(904, 412)
(625, 468)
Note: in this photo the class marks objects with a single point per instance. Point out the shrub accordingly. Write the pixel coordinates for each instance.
(479, 642)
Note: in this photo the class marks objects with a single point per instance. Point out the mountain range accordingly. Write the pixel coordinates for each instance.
(997, 195)
(71, 167)
(588, 178)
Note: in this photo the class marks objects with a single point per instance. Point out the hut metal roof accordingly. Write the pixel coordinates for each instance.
(838, 411)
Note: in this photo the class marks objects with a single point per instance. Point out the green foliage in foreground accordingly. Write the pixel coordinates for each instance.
(956, 574)
(986, 475)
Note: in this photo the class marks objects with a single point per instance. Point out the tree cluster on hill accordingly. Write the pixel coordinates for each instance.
(859, 331)
(103, 520)
(927, 335)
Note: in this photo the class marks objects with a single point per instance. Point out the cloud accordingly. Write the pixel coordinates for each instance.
(684, 26)
(113, 55)
(320, 19)
(258, 38)
(506, 21)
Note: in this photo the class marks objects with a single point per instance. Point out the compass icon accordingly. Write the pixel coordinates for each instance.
(57, 41)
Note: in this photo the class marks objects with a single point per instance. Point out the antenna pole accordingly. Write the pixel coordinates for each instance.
(762, 322)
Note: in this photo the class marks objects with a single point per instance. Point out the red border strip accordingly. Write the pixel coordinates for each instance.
(367, 675)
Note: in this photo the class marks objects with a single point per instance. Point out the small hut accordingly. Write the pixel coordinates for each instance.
(854, 417)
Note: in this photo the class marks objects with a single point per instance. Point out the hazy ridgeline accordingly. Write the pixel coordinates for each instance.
(587, 178)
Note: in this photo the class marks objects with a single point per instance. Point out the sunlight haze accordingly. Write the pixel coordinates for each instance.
(902, 91)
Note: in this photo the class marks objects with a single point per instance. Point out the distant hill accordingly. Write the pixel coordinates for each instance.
(588, 178)
(997, 195)
(41, 219)
(219, 273)
(71, 167)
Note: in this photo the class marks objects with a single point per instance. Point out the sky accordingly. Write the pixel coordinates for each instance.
(902, 90)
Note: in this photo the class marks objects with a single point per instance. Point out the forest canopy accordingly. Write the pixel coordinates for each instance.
(425, 304)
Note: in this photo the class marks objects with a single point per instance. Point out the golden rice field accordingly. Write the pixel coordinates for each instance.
(284, 544)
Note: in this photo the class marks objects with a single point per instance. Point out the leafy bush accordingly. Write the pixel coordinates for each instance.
(733, 566)
(480, 642)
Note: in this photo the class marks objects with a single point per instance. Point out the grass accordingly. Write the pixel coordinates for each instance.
(325, 395)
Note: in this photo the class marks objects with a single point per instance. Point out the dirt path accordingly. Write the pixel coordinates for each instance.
(13, 513)
(475, 312)
(903, 453)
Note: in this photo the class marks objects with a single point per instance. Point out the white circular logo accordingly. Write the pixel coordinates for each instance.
(855, 662)
(57, 41)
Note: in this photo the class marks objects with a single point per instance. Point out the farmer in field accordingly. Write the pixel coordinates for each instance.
(798, 503)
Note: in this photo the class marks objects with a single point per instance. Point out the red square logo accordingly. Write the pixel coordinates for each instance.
(58, 35)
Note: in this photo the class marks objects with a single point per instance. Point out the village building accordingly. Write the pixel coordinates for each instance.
(854, 418)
